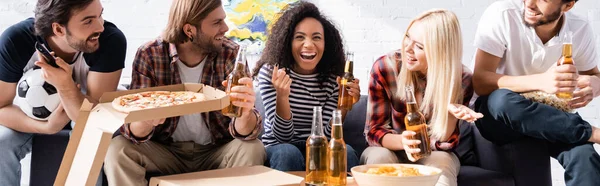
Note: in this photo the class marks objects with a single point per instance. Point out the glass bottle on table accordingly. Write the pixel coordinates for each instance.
(316, 151)
(415, 121)
(238, 72)
(566, 58)
(336, 173)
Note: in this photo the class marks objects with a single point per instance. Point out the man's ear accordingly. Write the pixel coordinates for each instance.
(58, 30)
(567, 6)
(189, 30)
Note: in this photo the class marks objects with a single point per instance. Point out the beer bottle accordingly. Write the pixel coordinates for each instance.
(316, 151)
(345, 100)
(239, 71)
(415, 121)
(336, 173)
(566, 58)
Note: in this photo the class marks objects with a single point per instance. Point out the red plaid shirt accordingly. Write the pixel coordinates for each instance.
(155, 64)
(386, 112)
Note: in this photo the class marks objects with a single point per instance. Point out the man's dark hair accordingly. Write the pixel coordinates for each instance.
(278, 49)
(55, 11)
(568, 1)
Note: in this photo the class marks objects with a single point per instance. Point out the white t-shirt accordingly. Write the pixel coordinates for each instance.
(192, 127)
(502, 33)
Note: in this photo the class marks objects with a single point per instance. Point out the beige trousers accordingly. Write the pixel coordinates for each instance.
(127, 163)
(446, 161)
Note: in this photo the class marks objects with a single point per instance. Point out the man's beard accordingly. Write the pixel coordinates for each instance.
(81, 45)
(205, 43)
(545, 19)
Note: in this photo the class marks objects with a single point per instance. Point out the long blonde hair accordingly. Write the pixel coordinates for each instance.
(443, 50)
(186, 12)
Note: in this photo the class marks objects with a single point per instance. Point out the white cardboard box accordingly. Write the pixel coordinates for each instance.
(95, 126)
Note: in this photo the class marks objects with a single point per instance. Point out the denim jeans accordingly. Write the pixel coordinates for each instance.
(291, 157)
(509, 117)
(15, 145)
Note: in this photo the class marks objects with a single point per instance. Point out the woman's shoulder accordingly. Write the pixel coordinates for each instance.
(388, 63)
(265, 71)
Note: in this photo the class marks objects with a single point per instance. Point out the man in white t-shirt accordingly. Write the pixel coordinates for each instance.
(518, 46)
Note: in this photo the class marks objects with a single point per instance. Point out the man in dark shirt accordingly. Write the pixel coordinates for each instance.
(90, 55)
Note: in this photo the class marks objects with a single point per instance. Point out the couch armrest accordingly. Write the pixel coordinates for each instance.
(527, 160)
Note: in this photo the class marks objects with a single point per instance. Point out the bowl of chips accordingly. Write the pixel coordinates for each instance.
(396, 174)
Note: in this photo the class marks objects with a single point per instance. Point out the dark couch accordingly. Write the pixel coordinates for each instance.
(524, 163)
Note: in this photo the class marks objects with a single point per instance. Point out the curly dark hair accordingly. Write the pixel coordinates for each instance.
(278, 49)
(55, 11)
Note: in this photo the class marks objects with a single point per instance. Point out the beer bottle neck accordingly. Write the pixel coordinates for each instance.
(336, 126)
(349, 67)
(567, 50)
(411, 102)
(317, 125)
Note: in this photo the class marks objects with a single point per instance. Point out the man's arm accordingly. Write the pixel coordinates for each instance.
(486, 80)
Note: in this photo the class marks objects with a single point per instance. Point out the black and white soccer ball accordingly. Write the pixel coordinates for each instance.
(36, 97)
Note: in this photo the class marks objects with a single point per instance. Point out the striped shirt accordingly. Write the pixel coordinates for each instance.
(306, 92)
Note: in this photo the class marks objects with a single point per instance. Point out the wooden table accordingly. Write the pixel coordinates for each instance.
(349, 181)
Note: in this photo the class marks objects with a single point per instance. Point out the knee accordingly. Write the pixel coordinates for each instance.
(583, 154)
(117, 151)
(503, 101)
(351, 152)
(446, 161)
(376, 155)
(284, 152)
(10, 140)
(254, 150)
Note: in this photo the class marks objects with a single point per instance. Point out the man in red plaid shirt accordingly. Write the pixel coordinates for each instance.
(193, 49)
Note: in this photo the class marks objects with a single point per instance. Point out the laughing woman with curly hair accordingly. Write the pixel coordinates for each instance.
(297, 71)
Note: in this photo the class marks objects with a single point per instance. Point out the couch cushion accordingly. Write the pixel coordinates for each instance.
(354, 126)
(475, 176)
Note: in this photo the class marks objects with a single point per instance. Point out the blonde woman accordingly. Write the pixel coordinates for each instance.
(430, 61)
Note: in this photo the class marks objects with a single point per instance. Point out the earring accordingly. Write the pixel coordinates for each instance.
(192, 39)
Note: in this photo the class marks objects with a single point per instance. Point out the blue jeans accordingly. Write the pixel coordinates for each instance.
(291, 156)
(15, 145)
(508, 117)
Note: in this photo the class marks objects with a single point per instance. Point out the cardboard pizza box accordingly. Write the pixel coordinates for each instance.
(95, 126)
(247, 176)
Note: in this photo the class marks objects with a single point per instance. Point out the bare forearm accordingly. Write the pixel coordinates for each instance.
(392, 142)
(71, 99)
(486, 82)
(12, 117)
(140, 130)
(282, 107)
(452, 124)
(245, 124)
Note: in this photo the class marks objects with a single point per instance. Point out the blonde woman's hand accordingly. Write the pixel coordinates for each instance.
(407, 142)
(281, 82)
(462, 112)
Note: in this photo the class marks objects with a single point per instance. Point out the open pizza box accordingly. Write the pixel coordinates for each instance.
(95, 126)
(247, 176)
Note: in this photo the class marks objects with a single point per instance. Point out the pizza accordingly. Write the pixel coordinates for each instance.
(154, 99)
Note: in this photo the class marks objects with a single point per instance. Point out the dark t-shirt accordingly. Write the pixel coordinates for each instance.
(17, 52)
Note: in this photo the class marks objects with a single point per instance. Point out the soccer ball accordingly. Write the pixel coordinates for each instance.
(36, 97)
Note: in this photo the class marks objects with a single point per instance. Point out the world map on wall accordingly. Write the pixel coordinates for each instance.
(249, 21)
